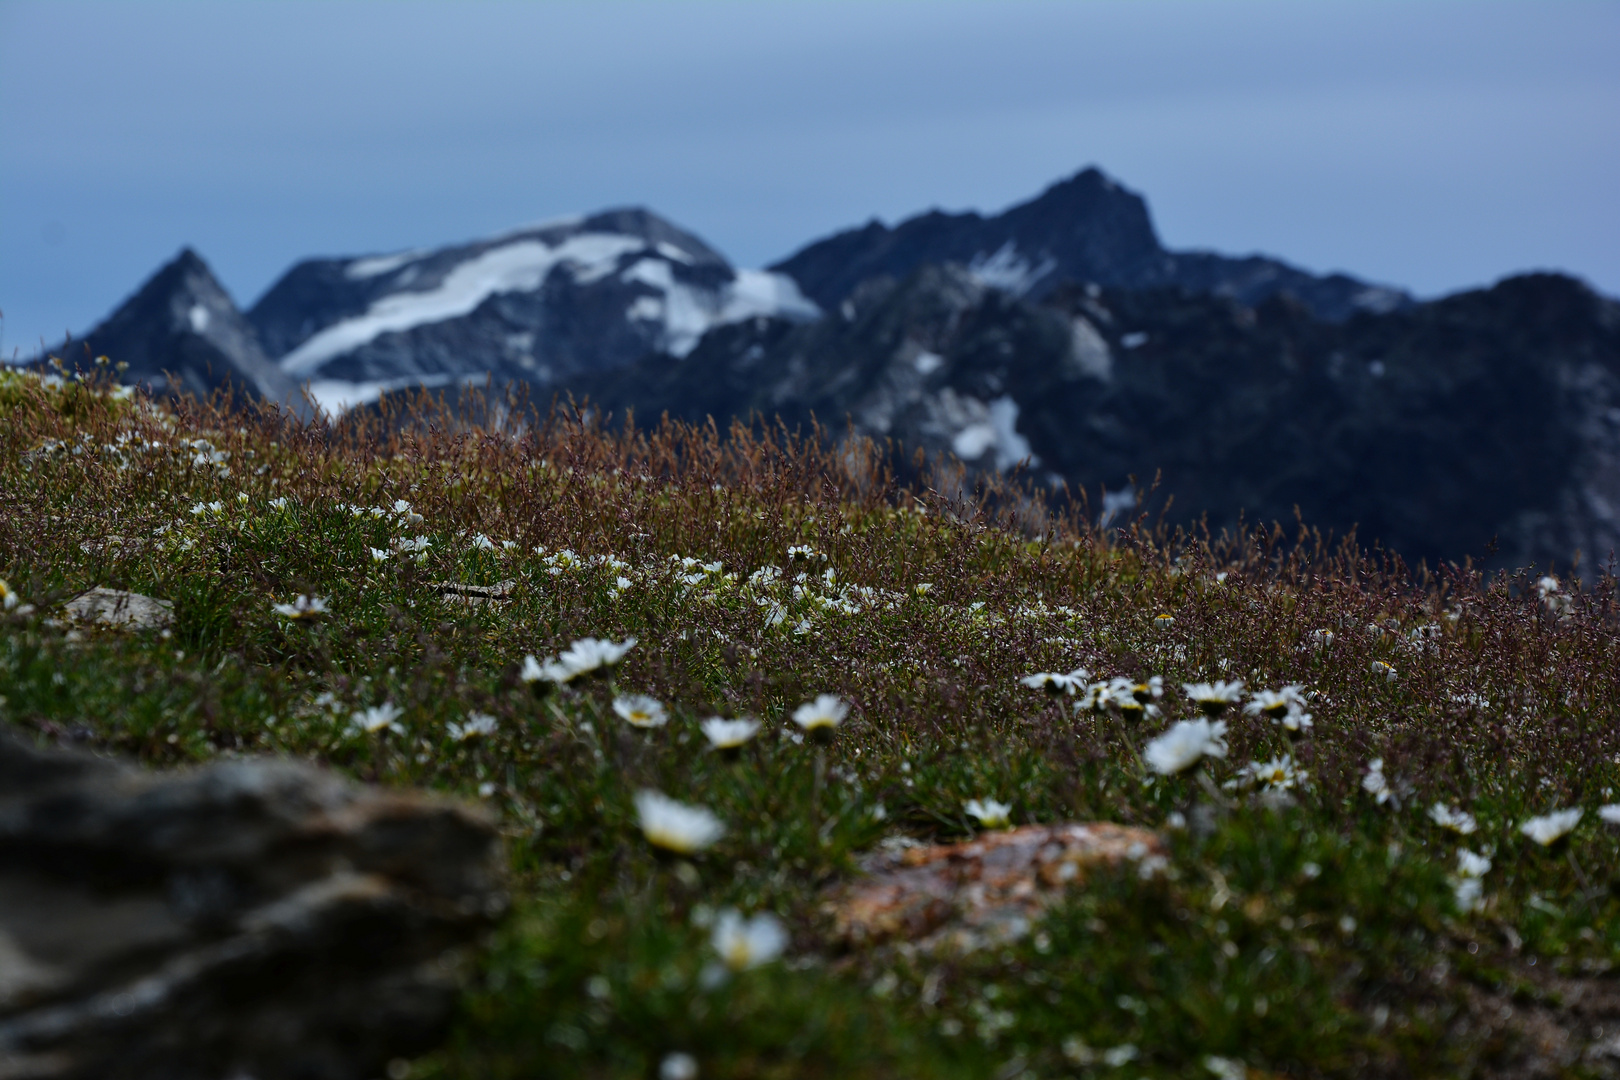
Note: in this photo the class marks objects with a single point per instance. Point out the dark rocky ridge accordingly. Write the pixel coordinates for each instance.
(1087, 228)
(1492, 414)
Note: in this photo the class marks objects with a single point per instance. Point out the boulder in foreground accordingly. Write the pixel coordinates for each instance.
(254, 917)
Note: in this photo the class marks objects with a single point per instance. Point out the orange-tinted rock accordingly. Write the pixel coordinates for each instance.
(986, 889)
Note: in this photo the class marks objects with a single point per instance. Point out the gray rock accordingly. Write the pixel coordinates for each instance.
(114, 607)
(254, 917)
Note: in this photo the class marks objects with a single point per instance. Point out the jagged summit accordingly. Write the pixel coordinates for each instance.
(1088, 228)
(182, 333)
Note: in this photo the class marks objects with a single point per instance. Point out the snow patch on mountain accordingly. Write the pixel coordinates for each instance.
(517, 267)
(1008, 270)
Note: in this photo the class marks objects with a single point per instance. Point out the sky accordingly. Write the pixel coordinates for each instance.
(1433, 145)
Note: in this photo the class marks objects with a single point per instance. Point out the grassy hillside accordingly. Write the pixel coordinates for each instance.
(1309, 920)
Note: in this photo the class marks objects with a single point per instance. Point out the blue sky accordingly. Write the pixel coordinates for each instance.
(1435, 145)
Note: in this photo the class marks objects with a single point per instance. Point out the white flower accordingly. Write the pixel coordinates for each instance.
(1321, 638)
(1213, 698)
(1466, 885)
(805, 552)
(477, 725)
(1388, 671)
(1163, 621)
(674, 825)
(826, 712)
(1056, 684)
(8, 598)
(1548, 829)
(305, 607)
(378, 718)
(1295, 722)
(278, 503)
(640, 710)
(534, 671)
(1610, 813)
(483, 543)
(1457, 821)
(1185, 744)
(1375, 784)
(748, 943)
(991, 814)
(678, 1066)
(1226, 1068)
(1469, 893)
(729, 734)
(1275, 703)
(1279, 773)
(378, 554)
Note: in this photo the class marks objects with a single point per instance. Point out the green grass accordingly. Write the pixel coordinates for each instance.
(1311, 936)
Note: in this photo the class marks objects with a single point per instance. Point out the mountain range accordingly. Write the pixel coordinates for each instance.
(1059, 336)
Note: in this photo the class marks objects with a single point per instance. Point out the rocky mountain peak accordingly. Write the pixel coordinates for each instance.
(182, 333)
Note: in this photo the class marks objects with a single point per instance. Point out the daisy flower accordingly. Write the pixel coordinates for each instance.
(675, 826)
(1055, 683)
(378, 718)
(1213, 698)
(1375, 783)
(1279, 773)
(1548, 829)
(1185, 744)
(1463, 824)
(640, 710)
(8, 598)
(1610, 813)
(583, 657)
(477, 725)
(729, 734)
(748, 943)
(991, 814)
(1276, 703)
(305, 607)
(1388, 671)
(822, 714)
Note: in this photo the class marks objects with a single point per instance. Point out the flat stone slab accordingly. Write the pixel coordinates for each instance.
(254, 917)
(985, 890)
(473, 595)
(127, 610)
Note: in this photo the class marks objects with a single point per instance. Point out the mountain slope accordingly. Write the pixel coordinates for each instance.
(1490, 414)
(1087, 228)
(181, 333)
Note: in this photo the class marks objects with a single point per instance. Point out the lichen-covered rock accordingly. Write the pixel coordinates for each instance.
(253, 917)
(115, 607)
(961, 896)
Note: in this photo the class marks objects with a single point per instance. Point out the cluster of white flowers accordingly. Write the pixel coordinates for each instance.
(1285, 708)
(585, 656)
